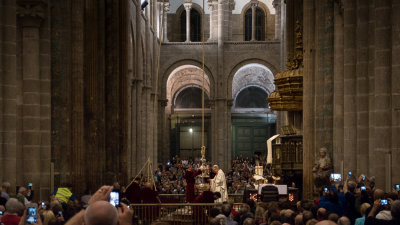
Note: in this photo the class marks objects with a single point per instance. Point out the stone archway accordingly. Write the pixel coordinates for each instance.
(252, 123)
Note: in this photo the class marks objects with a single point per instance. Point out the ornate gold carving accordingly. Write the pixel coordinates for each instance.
(289, 83)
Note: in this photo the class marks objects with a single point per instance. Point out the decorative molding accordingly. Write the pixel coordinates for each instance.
(254, 3)
(31, 13)
(188, 6)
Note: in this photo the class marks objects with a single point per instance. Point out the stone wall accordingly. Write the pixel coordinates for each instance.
(350, 82)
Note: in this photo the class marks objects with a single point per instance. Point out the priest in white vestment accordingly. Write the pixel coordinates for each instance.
(218, 184)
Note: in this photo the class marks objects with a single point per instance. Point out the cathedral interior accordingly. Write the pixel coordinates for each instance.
(92, 89)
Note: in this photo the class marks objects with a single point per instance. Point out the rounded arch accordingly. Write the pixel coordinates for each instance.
(196, 20)
(192, 89)
(185, 62)
(243, 63)
(251, 96)
(261, 6)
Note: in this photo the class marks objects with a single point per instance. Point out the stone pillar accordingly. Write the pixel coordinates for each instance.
(31, 16)
(395, 92)
(338, 89)
(8, 97)
(166, 10)
(254, 4)
(383, 107)
(350, 113)
(308, 97)
(277, 6)
(188, 7)
(213, 8)
(362, 86)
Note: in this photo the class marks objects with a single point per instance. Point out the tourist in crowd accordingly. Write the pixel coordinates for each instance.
(363, 209)
(11, 215)
(21, 196)
(5, 188)
(64, 193)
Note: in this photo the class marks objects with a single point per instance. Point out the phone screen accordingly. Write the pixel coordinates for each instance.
(326, 189)
(384, 202)
(30, 185)
(336, 177)
(397, 187)
(363, 188)
(114, 198)
(363, 178)
(349, 174)
(31, 216)
(1, 213)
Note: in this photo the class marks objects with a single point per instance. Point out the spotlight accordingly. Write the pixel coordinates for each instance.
(144, 4)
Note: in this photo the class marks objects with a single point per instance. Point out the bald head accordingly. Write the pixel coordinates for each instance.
(321, 213)
(379, 194)
(344, 221)
(326, 222)
(101, 213)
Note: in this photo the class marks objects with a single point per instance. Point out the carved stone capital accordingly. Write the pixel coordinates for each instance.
(188, 6)
(276, 3)
(232, 5)
(31, 13)
(166, 6)
(212, 5)
(163, 102)
(254, 3)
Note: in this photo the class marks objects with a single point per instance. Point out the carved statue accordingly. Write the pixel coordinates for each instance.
(322, 169)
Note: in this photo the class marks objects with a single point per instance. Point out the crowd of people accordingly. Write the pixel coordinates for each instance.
(169, 178)
(356, 200)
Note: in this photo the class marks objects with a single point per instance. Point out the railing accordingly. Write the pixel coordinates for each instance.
(180, 198)
(177, 214)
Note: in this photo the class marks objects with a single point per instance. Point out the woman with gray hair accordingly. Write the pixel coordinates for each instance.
(13, 207)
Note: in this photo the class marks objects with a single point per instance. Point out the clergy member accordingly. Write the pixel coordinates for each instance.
(218, 184)
(190, 180)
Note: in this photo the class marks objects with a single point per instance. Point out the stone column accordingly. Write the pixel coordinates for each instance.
(31, 16)
(395, 92)
(308, 98)
(254, 4)
(350, 113)
(362, 86)
(383, 107)
(188, 7)
(277, 6)
(8, 97)
(166, 10)
(338, 89)
(213, 7)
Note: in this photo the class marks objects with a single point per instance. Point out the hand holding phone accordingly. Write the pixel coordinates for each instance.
(114, 198)
(384, 202)
(31, 216)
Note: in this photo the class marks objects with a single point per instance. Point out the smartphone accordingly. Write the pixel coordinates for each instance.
(363, 178)
(31, 216)
(326, 189)
(349, 174)
(336, 177)
(363, 188)
(1, 213)
(114, 198)
(128, 206)
(30, 185)
(384, 202)
(60, 214)
(43, 204)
